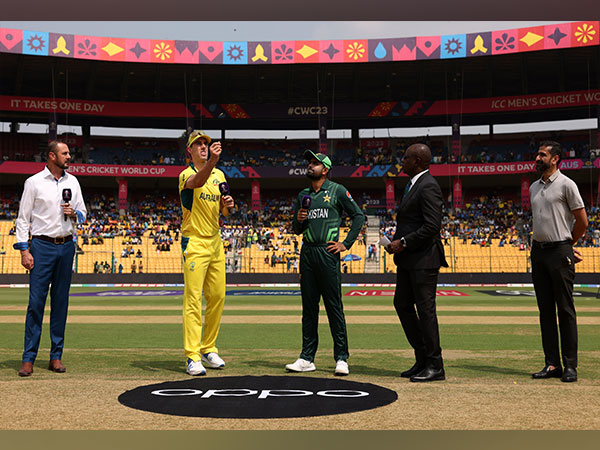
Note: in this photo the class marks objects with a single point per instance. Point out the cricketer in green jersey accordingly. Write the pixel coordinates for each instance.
(318, 220)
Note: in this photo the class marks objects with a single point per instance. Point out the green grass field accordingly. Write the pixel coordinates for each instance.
(508, 348)
(491, 345)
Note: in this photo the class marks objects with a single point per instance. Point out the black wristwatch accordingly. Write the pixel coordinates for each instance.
(403, 242)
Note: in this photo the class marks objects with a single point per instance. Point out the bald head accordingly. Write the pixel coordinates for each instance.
(416, 159)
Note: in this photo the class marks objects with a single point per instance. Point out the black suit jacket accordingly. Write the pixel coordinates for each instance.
(419, 220)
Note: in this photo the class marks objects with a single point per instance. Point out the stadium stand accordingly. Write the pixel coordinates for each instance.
(491, 234)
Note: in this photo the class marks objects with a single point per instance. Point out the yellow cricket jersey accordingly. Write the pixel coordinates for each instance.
(201, 206)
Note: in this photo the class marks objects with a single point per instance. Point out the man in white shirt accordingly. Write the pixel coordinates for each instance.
(559, 221)
(50, 207)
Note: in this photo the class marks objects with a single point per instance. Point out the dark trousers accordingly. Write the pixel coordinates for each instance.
(52, 265)
(553, 274)
(320, 276)
(414, 301)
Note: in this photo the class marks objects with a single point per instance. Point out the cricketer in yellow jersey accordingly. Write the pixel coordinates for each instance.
(203, 255)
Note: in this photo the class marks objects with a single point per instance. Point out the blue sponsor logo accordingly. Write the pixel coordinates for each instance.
(132, 293)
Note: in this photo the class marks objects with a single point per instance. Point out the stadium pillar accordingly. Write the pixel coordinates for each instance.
(457, 194)
(122, 195)
(255, 195)
(390, 197)
(525, 201)
(52, 127)
(322, 134)
(456, 138)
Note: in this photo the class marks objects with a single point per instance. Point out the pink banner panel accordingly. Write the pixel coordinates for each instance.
(531, 39)
(283, 52)
(525, 200)
(162, 51)
(137, 50)
(390, 194)
(457, 195)
(331, 51)
(307, 51)
(87, 47)
(255, 195)
(112, 49)
(505, 41)
(122, 194)
(187, 52)
(356, 50)
(557, 36)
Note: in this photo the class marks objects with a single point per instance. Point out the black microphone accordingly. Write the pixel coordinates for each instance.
(306, 201)
(224, 188)
(66, 196)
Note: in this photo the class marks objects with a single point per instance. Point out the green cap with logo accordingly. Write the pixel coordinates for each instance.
(195, 135)
(324, 159)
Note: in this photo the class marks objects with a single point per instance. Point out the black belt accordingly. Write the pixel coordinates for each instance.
(550, 244)
(55, 240)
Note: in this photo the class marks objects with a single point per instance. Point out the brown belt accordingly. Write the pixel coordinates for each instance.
(55, 240)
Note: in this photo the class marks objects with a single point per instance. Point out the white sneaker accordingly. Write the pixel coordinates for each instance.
(213, 361)
(301, 365)
(195, 368)
(341, 368)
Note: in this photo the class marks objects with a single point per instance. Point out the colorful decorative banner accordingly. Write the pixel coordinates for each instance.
(546, 37)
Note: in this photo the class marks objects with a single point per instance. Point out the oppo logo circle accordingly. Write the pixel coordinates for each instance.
(257, 397)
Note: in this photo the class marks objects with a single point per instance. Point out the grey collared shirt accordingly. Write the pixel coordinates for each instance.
(552, 203)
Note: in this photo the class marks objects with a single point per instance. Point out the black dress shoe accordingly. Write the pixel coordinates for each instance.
(546, 372)
(429, 374)
(413, 370)
(569, 375)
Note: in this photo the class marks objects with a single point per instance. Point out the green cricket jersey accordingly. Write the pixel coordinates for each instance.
(325, 215)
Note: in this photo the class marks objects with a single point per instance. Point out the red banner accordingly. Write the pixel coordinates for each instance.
(95, 108)
(525, 200)
(255, 196)
(390, 194)
(122, 193)
(97, 170)
(514, 103)
(457, 197)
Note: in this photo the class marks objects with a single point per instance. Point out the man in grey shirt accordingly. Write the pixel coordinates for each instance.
(559, 220)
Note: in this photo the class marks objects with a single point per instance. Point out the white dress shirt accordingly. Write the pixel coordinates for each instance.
(414, 179)
(40, 212)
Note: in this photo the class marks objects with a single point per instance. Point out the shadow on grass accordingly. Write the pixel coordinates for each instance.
(177, 366)
(15, 364)
(491, 369)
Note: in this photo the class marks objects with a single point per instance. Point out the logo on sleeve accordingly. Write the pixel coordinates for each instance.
(349, 196)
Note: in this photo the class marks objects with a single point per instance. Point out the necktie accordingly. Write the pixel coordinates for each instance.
(406, 189)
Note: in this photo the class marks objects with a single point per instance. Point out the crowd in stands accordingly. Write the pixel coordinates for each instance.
(284, 152)
(485, 220)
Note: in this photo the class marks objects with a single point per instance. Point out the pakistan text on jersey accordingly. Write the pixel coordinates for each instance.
(209, 197)
(319, 213)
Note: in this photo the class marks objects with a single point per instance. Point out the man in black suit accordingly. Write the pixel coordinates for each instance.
(418, 255)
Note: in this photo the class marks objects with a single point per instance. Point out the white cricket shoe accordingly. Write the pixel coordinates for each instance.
(341, 368)
(301, 365)
(213, 361)
(195, 368)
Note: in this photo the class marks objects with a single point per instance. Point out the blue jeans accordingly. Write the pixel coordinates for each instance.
(52, 265)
